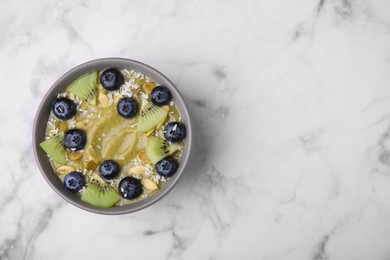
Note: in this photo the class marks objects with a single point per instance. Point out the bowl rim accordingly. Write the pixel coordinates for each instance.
(59, 86)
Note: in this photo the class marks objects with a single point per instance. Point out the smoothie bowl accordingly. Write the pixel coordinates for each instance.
(112, 136)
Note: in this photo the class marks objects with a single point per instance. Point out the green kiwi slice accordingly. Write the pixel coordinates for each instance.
(100, 194)
(85, 87)
(55, 148)
(157, 149)
(151, 116)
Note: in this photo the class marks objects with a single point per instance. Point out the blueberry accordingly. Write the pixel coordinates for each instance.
(74, 181)
(64, 108)
(109, 169)
(175, 131)
(127, 107)
(75, 139)
(111, 79)
(160, 95)
(130, 188)
(166, 167)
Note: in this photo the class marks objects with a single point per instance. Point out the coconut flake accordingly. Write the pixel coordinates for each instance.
(144, 95)
(72, 123)
(110, 98)
(126, 72)
(126, 89)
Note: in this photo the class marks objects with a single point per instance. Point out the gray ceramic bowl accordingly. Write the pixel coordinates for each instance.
(43, 113)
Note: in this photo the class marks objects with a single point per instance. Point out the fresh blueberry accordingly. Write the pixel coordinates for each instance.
(64, 108)
(166, 167)
(160, 95)
(127, 107)
(109, 169)
(74, 181)
(75, 139)
(175, 131)
(130, 188)
(111, 79)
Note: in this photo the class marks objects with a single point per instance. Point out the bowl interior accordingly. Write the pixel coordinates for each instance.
(43, 113)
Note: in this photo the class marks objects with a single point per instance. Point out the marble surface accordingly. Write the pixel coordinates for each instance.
(291, 105)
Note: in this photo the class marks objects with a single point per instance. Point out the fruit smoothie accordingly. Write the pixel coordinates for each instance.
(114, 137)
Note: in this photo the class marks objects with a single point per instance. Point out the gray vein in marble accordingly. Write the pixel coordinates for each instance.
(21, 246)
(180, 244)
(25, 160)
(219, 112)
(200, 103)
(321, 251)
(10, 197)
(335, 186)
(213, 178)
(384, 146)
(219, 73)
(309, 140)
(384, 118)
(183, 63)
(9, 244)
(320, 5)
(44, 220)
(63, 22)
(214, 183)
(307, 28)
(154, 232)
(210, 181)
(27, 39)
(220, 224)
(75, 35)
(343, 8)
(375, 102)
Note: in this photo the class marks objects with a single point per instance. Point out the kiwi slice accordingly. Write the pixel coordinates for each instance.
(157, 149)
(54, 148)
(85, 87)
(151, 116)
(100, 194)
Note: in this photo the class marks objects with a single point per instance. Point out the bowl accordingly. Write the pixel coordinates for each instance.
(43, 113)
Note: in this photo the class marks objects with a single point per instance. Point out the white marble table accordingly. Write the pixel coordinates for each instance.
(291, 104)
